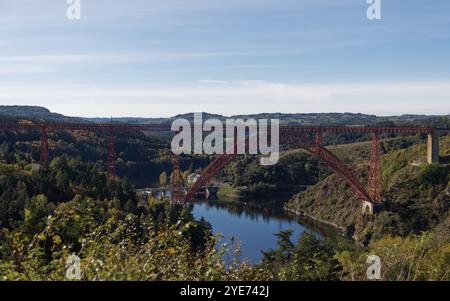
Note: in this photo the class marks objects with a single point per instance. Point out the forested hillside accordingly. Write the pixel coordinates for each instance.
(140, 157)
(35, 113)
(73, 208)
(120, 236)
(41, 113)
(417, 193)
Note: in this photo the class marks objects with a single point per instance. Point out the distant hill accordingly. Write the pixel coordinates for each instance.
(304, 119)
(129, 120)
(140, 120)
(35, 113)
(41, 113)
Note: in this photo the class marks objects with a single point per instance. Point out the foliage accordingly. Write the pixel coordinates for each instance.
(412, 258)
(293, 170)
(416, 193)
(310, 259)
(114, 245)
(435, 174)
(73, 208)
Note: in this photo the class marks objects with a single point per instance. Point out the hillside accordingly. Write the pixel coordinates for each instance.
(74, 208)
(328, 199)
(417, 194)
(41, 113)
(35, 113)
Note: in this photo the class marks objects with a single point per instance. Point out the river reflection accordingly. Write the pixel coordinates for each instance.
(253, 224)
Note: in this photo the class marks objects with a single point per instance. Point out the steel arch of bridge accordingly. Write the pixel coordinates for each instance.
(299, 136)
(313, 146)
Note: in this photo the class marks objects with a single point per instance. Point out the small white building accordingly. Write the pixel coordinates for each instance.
(192, 178)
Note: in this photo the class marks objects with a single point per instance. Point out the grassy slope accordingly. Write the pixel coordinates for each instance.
(412, 206)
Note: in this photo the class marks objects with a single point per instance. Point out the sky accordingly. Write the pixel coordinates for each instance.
(159, 58)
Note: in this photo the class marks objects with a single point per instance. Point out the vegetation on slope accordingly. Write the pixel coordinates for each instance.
(139, 157)
(74, 209)
(36, 113)
(293, 171)
(417, 194)
(413, 258)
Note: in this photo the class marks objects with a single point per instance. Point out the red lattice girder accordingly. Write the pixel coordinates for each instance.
(375, 184)
(301, 141)
(43, 149)
(213, 168)
(111, 155)
(299, 134)
(340, 168)
(177, 192)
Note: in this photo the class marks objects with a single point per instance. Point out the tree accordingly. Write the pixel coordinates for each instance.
(130, 206)
(310, 259)
(435, 174)
(36, 213)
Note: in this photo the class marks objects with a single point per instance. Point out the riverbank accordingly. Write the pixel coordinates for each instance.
(250, 227)
(227, 191)
(276, 201)
(342, 230)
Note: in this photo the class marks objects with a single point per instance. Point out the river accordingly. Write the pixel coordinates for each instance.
(253, 224)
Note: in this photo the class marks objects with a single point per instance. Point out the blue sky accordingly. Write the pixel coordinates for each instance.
(160, 58)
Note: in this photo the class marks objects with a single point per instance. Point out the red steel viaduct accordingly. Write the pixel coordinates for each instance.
(305, 137)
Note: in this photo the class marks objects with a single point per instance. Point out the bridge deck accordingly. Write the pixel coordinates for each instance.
(167, 128)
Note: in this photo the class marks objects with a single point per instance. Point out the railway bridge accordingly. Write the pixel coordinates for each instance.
(309, 138)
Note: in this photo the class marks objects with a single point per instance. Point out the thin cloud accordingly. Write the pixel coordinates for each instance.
(147, 54)
(238, 97)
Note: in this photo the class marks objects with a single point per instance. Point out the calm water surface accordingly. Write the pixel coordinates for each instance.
(254, 226)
